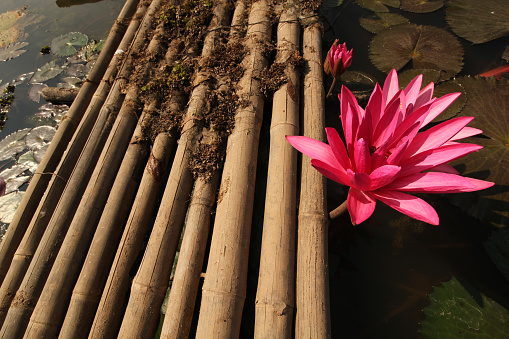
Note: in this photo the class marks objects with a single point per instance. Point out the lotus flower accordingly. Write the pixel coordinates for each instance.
(387, 156)
(339, 58)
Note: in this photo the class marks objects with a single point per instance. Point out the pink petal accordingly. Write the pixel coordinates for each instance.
(412, 90)
(362, 157)
(433, 182)
(411, 125)
(408, 204)
(398, 152)
(440, 105)
(375, 106)
(391, 86)
(314, 149)
(437, 156)
(466, 132)
(425, 95)
(361, 205)
(387, 123)
(436, 136)
(383, 175)
(338, 147)
(333, 173)
(444, 168)
(480, 184)
(359, 180)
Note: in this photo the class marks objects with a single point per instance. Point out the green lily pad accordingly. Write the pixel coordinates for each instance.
(497, 247)
(27, 159)
(489, 17)
(380, 21)
(456, 313)
(428, 75)
(13, 144)
(418, 46)
(46, 72)
(378, 5)
(63, 45)
(39, 136)
(421, 6)
(12, 51)
(488, 103)
(450, 86)
(8, 205)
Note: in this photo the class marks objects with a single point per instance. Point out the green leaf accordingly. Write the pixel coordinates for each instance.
(13, 144)
(331, 3)
(380, 21)
(8, 205)
(457, 313)
(46, 72)
(489, 17)
(421, 6)
(421, 46)
(497, 247)
(12, 51)
(378, 5)
(63, 45)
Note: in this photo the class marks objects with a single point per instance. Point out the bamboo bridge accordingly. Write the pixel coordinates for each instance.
(158, 156)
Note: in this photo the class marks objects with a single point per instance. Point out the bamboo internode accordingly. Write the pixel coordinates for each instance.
(91, 249)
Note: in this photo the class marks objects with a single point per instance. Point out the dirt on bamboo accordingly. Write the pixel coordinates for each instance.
(48, 164)
(275, 298)
(312, 284)
(37, 227)
(151, 281)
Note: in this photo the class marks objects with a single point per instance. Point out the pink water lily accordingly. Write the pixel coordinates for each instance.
(339, 58)
(387, 156)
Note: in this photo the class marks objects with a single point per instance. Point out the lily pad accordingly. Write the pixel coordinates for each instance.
(39, 152)
(8, 205)
(13, 144)
(35, 92)
(421, 46)
(12, 51)
(27, 159)
(63, 45)
(450, 86)
(77, 70)
(21, 78)
(489, 17)
(331, 3)
(39, 136)
(421, 6)
(380, 21)
(11, 26)
(428, 75)
(46, 72)
(378, 5)
(497, 247)
(488, 103)
(457, 310)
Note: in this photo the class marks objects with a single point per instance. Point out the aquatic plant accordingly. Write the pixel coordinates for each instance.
(386, 156)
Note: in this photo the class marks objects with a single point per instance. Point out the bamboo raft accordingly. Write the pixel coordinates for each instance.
(91, 248)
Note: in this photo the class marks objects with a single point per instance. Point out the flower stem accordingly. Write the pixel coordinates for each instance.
(332, 87)
(338, 211)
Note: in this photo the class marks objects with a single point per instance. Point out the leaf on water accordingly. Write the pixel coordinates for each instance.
(421, 6)
(13, 171)
(71, 82)
(21, 78)
(380, 21)
(35, 92)
(13, 144)
(488, 103)
(46, 72)
(428, 75)
(55, 112)
(39, 152)
(13, 184)
(39, 136)
(325, 4)
(12, 51)
(27, 159)
(497, 247)
(63, 45)
(8, 205)
(358, 78)
(378, 5)
(450, 86)
(457, 310)
(489, 17)
(422, 46)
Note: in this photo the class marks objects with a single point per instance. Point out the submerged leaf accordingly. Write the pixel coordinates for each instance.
(423, 46)
(489, 17)
(63, 45)
(457, 310)
(13, 144)
(46, 72)
(380, 21)
(12, 51)
(8, 205)
(488, 103)
(421, 6)
(378, 5)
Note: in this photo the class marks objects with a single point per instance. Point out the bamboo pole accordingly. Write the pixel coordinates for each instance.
(37, 273)
(48, 164)
(185, 284)
(50, 309)
(275, 297)
(312, 286)
(27, 248)
(226, 277)
(151, 281)
(109, 315)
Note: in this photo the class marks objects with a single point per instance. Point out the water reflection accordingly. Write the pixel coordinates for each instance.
(69, 3)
